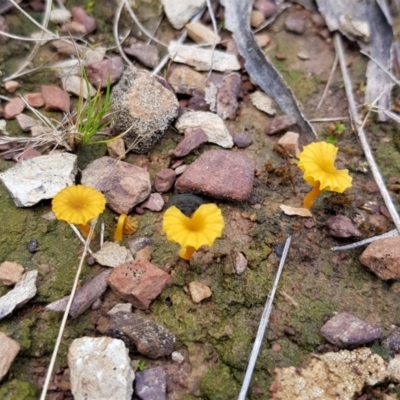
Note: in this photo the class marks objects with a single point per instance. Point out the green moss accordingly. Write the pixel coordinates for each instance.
(18, 390)
(219, 384)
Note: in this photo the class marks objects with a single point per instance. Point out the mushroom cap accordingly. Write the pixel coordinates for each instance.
(78, 204)
(205, 225)
(317, 161)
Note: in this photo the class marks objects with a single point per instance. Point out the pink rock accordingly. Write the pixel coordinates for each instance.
(9, 349)
(164, 180)
(11, 86)
(192, 140)
(138, 282)
(241, 140)
(146, 54)
(98, 73)
(29, 152)
(56, 98)
(155, 202)
(79, 15)
(227, 96)
(35, 99)
(74, 28)
(13, 108)
(280, 123)
(268, 8)
(220, 174)
(124, 185)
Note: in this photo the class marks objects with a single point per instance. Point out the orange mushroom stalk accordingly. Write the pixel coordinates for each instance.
(205, 225)
(126, 225)
(317, 162)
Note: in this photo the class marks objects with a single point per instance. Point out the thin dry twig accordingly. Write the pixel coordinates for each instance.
(66, 312)
(115, 32)
(361, 133)
(328, 84)
(263, 324)
(392, 233)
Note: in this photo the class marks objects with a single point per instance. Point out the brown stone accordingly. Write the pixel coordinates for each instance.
(146, 54)
(220, 174)
(186, 80)
(192, 140)
(199, 291)
(164, 180)
(382, 257)
(10, 273)
(13, 108)
(290, 143)
(280, 123)
(11, 86)
(341, 226)
(79, 15)
(56, 98)
(35, 99)
(124, 185)
(138, 282)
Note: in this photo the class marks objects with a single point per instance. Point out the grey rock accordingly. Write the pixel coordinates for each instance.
(180, 12)
(140, 243)
(392, 343)
(26, 122)
(263, 102)
(239, 262)
(345, 330)
(100, 369)
(186, 80)
(84, 297)
(124, 185)
(296, 23)
(77, 86)
(241, 140)
(341, 226)
(143, 107)
(141, 334)
(382, 257)
(212, 125)
(220, 174)
(23, 291)
(151, 384)
(40, 178)
(227, 96)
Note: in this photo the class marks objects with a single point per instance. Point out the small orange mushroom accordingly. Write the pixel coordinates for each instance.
(317, 162)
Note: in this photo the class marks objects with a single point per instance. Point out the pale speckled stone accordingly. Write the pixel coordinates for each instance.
(199, 292)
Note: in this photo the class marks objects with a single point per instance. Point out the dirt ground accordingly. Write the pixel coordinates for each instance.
(217, 335)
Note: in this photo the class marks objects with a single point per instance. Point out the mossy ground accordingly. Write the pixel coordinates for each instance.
(218, 333)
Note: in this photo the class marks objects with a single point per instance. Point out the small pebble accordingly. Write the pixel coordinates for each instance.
(177, 357)
(279, 249)
(241, 140)
(96, 305)
(32, 246)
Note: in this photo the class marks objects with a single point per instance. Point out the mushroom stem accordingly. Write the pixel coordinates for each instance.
(186, 252)
(85, 229)
(120, 227)
(308, 200)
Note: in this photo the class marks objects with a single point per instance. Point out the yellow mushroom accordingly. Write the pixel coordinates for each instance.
(126, 225)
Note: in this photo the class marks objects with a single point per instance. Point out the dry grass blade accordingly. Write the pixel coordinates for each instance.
(115, 32)
(361, 134)
(392, 233)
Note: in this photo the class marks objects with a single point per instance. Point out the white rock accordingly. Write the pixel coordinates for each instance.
(301, 212)
(78, 86)
(100, 369)
(200, 33)
(9, 349)
(60, 16)
(67, 67)
(42, 37)
(180, 12)
(263, 102)
(177, 357)
(23, 291)
(26, 122)
(40, 178)
(212, 124)
(3, 128)
(200, 58)
(92, 56)
(199, 292)
(112, 255)
(120, 307)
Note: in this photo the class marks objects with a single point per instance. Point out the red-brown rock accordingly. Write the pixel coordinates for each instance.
(280, 123)
(138, 282)
(164, 180)
(100, 72)
(56, 98)
(220, 174)
(192, 140)
(382, 257)
(35, 99)
(13, 108)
